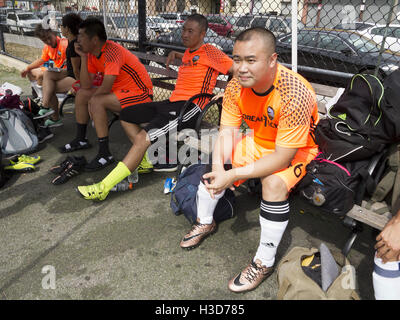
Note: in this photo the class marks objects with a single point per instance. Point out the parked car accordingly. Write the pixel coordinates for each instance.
(355, 26)
(242, 24)
(336, 50)
(3, 17)
(119, 25)
(377, 32)
(160, 25)
(220, 24)
(175, 17)
(22, 22)
(175, 38)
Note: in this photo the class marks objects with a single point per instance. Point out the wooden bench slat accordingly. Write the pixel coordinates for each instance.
(368, 217)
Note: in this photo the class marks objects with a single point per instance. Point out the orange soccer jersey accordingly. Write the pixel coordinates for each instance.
(199, 71)
(283, 117)
(57, 54)
(131, 73)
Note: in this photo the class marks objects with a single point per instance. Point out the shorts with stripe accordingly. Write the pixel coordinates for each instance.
(160, 117)
(247, 151)
(126, 97)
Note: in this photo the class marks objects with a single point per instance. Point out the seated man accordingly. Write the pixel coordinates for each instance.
(61, 82)
(201, 64)
(126, 83)
(386, 275)
(54, 49)
(280, 109)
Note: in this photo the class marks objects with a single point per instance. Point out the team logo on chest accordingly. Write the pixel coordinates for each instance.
(271, 113)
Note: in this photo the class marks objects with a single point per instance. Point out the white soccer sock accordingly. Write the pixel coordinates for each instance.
(274, 218)
(386, 280)
(205, 204)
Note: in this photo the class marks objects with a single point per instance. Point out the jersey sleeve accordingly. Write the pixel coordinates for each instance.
(113, 61)
(231, 114)
(295, 117)
(45, 53)
(217, 59)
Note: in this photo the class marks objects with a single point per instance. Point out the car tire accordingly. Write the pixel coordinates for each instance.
(21, 31)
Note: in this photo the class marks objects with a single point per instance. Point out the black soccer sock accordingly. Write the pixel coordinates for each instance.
(103, 147)
(81, 131)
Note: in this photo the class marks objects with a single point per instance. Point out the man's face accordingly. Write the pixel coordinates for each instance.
(192, 35)
(50, 39)
(254, 64)
(84, 41)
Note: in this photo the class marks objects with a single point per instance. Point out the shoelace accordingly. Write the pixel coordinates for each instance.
(253, 271)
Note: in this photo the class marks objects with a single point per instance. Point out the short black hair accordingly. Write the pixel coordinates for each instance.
(200, 19)
(41, 32)
(72, 21)
(94, 27)
(264, 34)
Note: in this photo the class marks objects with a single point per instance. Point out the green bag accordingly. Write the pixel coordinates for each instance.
(295, 284)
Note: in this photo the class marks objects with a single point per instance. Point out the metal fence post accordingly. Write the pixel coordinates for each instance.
(2, 44)
(294, 35)
(142, 24)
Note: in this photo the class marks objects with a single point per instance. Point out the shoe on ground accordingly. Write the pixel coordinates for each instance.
(72, 168)
(58, 169)
(21, 167)
(99, 163)
(166, 167)
(26, 159)
(145, 166)
(44, 134)
(74, 145)
(50, 123)
(43, 113)
(197, 234)
(250, 277)
(93, 192)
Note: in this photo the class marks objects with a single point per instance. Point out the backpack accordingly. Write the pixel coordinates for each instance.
(31, 106)
(183, 197)
(295, 284)
(354, 129)
(17, 133)
(332, 186)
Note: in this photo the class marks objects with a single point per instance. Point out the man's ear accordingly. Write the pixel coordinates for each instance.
(274, 59)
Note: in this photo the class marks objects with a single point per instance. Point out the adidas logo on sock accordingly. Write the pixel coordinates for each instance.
(268, 244)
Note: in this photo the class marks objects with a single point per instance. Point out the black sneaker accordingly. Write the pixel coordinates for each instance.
(166, 167)
(73, 167)
(44, 134)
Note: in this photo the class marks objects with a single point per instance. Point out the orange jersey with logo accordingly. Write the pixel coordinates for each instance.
(57, 54)
(118, 61)
(199, 71)
(284, 116)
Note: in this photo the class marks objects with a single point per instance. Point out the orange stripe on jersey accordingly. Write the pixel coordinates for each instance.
(283, 117)
(199, 71)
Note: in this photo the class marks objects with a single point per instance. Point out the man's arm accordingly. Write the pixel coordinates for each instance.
(35, 64)
(76, 62)
(172, 56)
(85, 77)
(106, 85)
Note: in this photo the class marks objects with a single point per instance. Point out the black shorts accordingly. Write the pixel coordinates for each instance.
(160, 117)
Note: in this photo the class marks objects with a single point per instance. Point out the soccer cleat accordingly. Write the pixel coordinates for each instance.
(145, 166)
(80, 160)
(50, 123)
(72, 168)
(21, 167)
(197, 234)
(250, 277)
(27, 159)
(95, 191)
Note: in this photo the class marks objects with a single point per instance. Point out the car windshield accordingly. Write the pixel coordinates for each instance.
(158, 20)
(27, 16)
(362, 44)
(129, 22)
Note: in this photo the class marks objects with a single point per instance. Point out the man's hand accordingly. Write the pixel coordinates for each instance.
(219, 181)
(388, 241)
(78, 50)
(24, 73)
(217, 96)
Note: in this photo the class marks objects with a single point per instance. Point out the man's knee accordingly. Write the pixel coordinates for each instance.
(274, 188)
(142, 140)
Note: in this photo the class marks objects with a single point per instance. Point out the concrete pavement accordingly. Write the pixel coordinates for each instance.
(56, 245)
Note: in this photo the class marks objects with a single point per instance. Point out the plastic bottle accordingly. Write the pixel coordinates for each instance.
(51, 63)
(123, 186)
(98, 80)
(133, 177)
(386, 280)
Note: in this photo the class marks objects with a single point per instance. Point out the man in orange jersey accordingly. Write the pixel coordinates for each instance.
(201, 64)
(280, 108)
(111, 78)
(54, 49)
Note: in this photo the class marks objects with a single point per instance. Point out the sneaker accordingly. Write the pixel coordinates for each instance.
(21, 167)
(93, 192)
(145, 166)
(72, 168)
(99, 163)
(58, 169)
(197, 234)
(250, 277)
(43, 113)
(44, 134)
(166, 167)
(50, 123)
(26, 159)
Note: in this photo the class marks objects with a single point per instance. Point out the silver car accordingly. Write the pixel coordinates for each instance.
(22, 21)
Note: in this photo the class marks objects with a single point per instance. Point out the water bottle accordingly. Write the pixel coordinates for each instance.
(51, 63)
(133, 177)
(123, 186)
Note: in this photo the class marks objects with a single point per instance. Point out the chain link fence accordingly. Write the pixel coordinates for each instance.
(335, 39)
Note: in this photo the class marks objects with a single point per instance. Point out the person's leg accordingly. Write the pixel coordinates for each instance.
(82, 118)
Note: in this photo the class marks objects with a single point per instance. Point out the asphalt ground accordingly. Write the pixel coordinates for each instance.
(55, 245)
